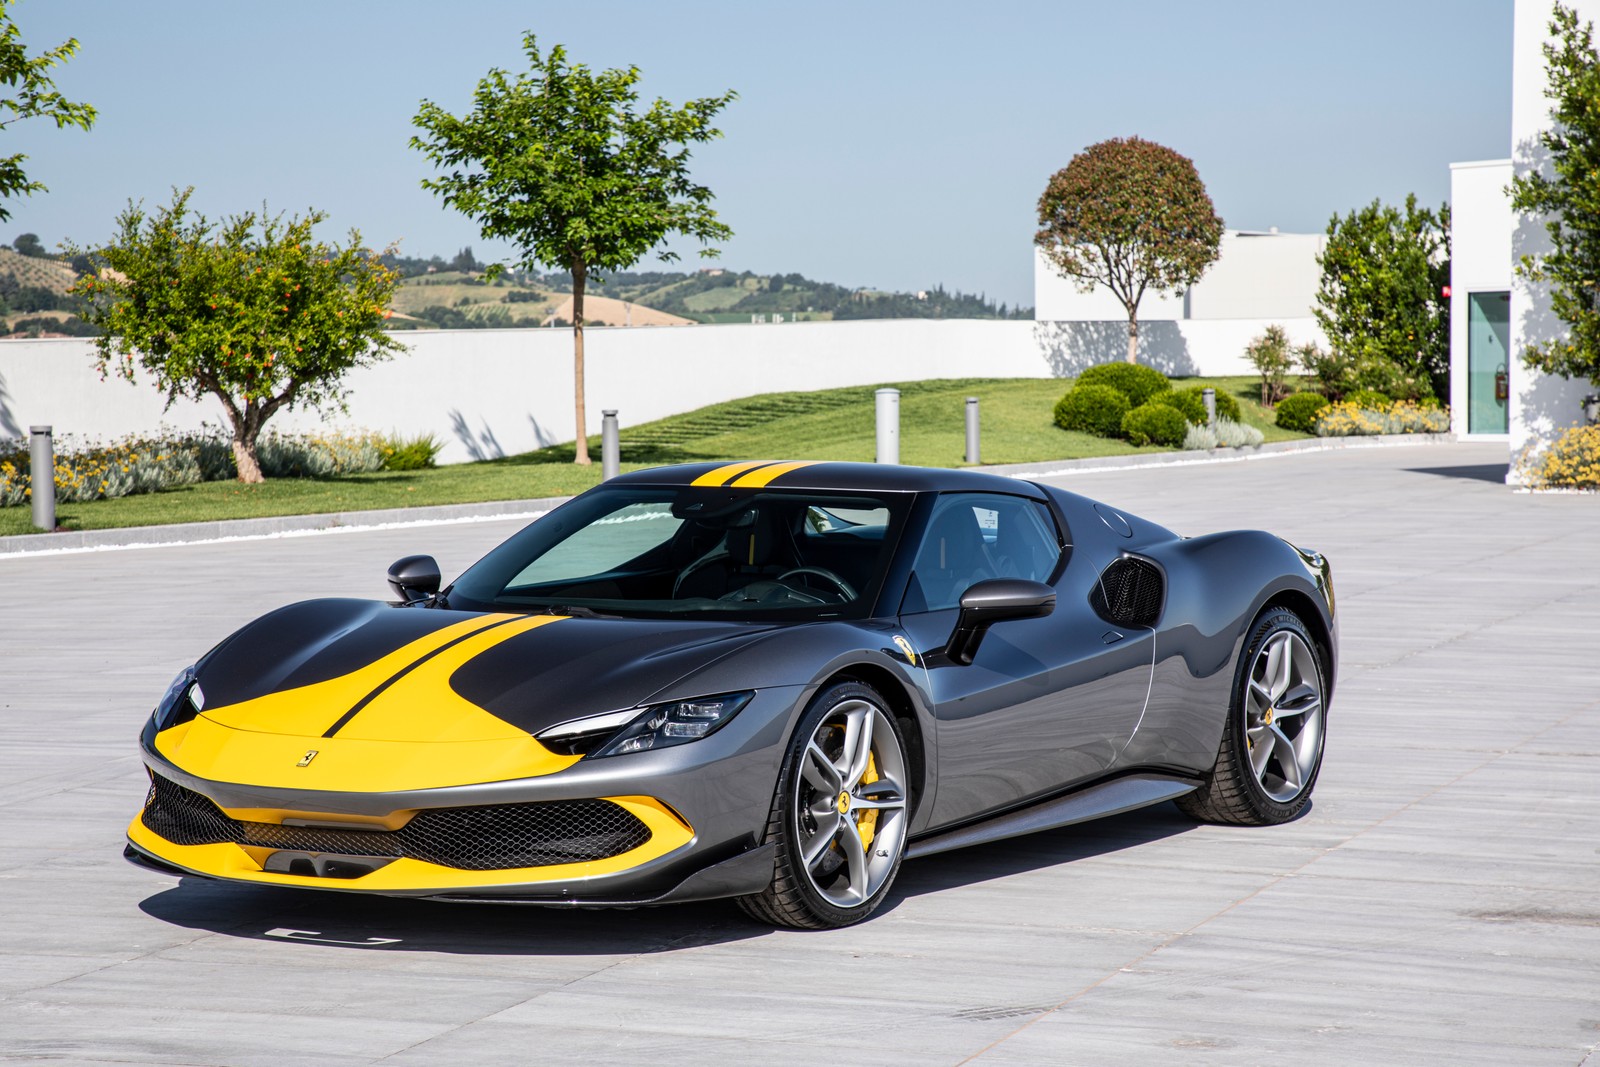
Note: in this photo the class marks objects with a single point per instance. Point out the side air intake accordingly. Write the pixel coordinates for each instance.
(1129, 592)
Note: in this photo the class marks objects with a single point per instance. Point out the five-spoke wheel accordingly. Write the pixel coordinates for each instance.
(1272, 743)
(840, 814)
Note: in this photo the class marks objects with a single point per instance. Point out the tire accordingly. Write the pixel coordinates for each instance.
(839, 814)
(1273, 739)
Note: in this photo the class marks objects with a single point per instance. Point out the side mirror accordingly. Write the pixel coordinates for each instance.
(414, 578)
(992, 601)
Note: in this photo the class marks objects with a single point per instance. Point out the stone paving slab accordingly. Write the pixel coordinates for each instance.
(1439, 903)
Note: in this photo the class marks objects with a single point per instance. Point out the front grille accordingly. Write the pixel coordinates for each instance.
(1129, 592)
(488, 838)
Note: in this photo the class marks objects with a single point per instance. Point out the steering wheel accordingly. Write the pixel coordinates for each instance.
(827, 575)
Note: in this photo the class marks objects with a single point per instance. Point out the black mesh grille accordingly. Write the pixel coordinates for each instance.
(1129, 592)
(488, 838)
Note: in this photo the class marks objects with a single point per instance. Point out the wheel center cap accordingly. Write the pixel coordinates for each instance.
(1267, 719)
(844, 803)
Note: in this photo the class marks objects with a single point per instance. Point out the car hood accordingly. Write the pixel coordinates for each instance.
(362, 670)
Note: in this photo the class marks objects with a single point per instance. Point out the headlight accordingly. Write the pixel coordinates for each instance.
(658, 726)
(181, 702)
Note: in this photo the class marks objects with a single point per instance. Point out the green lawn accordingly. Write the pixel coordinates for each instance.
(832, 424)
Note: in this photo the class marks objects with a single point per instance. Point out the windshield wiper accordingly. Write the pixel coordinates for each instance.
(576, 611)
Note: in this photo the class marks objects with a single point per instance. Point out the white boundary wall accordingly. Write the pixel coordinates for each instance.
(497, 392)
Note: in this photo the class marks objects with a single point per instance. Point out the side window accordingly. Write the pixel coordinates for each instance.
(975, 536)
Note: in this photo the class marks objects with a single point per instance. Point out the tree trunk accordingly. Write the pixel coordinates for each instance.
(580, 274)
(244, 458)
(1133, 338)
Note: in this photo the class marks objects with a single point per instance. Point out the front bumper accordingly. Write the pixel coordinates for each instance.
(703, 807)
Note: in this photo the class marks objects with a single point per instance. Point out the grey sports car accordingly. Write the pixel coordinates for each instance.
(765, 681)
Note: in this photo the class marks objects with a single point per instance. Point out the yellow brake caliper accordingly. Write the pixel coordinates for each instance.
(867, 822)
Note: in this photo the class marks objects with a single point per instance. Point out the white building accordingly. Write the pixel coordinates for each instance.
(1493, 314)
(1260, 278)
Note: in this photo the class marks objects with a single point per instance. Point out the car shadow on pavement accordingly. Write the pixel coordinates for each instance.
(376, 923)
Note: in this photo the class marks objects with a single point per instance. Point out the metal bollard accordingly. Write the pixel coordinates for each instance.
(888, 412)
(1209, 395)
(610, 446)
(42, 460)
(972, 430)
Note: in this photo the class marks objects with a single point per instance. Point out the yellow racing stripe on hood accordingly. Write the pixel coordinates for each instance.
(723, 475)
(758, 479)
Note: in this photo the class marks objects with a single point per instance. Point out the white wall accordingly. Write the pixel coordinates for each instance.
(1542, 405)
(498, 392)
(1481, 224)
(1263, 277)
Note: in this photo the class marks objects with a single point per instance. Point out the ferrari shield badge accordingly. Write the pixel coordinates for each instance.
(305, 761)
(905, 646)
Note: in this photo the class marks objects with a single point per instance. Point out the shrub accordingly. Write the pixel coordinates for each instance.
(1334, 374)
(409, 454)
(1402, 416)
(1096, 409)
(326, 455)
(1269, 354)
(1225, 434)
(1188, 402)
(1195, 409)
(1155, 423)
(1369, 398)
(1297, 412)
(1133, 380)
(1573, 461)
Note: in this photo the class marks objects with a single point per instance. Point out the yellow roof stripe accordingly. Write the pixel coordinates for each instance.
(722, 475)
(759, 478)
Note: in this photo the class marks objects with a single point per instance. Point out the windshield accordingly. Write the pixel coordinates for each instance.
(682, 550)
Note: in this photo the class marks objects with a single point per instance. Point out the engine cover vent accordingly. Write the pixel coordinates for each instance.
(1129, 592)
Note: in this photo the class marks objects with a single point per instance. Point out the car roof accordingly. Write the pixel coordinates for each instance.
(822, 474)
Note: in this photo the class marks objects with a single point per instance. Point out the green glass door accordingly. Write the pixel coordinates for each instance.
(1488, 361)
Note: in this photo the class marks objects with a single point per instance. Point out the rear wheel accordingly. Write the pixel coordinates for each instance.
(1271, 747)
(839, 815)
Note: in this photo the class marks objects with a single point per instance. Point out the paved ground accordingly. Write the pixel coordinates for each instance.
(1440, 903)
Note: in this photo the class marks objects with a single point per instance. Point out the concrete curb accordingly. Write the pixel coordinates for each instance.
(351, 521)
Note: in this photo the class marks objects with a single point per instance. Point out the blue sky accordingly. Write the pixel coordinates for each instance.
(896, 145)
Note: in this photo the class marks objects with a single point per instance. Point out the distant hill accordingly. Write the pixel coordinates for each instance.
(452, 294)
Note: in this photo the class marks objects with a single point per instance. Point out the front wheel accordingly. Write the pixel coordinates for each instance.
(839, 814)
(1271, 747)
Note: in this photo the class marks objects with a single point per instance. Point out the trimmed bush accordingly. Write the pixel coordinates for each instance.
(1299, 410)
(1186, 401)
(1133, 380)
(1368, 398)
(1096, 409)
(1155, 423)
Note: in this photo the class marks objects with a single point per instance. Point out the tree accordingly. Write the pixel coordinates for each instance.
(1131, 215)
(253, 311)
(559, 162)
(28, 244)
(34, 96)
(464, 261)
(1569, 198)
(1381, 298)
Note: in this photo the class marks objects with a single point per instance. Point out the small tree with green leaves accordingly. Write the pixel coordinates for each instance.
(1272, 358)
(1568, 198)
(1133, 216)
(1381, 298)
(560, 162)
(253, 311)
(32, 94)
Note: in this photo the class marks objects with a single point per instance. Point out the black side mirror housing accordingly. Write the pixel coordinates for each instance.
(414, 578)
(991, 601)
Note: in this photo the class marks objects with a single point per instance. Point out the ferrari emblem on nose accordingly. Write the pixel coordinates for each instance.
(305, 761)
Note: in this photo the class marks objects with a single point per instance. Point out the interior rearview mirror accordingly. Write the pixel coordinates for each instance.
(414, 578)
(995, 600)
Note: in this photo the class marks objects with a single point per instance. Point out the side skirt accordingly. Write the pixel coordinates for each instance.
(1092, 802)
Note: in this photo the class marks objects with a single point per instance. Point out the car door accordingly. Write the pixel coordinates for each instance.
(1045, 702)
